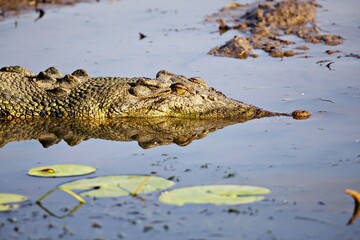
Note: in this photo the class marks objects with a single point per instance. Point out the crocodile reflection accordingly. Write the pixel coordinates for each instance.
(148, 132)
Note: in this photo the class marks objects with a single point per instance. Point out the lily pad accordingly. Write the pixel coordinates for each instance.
(61, 170)
(8, 207)
(214, 194)
(6, 200)
(115, 186)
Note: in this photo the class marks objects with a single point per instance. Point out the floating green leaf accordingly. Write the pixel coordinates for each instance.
(61, 170)
(115, 186)
(11, 198)
(215, 194)
(6, 200)
(8, 207)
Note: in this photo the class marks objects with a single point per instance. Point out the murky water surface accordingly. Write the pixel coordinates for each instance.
(306, 164)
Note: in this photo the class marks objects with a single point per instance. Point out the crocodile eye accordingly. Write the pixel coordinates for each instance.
(179, 88)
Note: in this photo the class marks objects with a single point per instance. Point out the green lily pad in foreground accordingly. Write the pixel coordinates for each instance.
(7, 200)
(61, 170)
(116, 186)
(214, 194)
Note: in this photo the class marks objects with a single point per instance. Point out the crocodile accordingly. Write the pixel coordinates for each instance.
(49, 94)
(147, 132)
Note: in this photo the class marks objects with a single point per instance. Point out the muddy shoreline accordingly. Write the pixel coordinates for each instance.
(11, 8)
(264, 25)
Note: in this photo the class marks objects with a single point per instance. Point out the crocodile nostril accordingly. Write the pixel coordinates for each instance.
(212, 98)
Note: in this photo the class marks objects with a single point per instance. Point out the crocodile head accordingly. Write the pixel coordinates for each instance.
(178, 96)
(77, 95)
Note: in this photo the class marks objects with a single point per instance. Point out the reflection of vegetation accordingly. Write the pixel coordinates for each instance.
(148, 132)
(356, 196)
(68, 191)
(141, 186)
(71, 212)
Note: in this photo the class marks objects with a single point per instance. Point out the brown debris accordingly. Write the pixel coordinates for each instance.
(9, 8)
(354, 55)
(330, 52)
(238, 47)
(142, 36)
(304, 48)
(41, 13)
(267, 22)
(222, 26)
(329, 65)
(328, 39)
(232, 5)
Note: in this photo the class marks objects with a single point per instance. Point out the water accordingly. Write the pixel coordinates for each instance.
(306, 164)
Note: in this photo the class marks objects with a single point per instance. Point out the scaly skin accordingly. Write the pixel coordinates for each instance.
(148, 132)
(25, 95)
